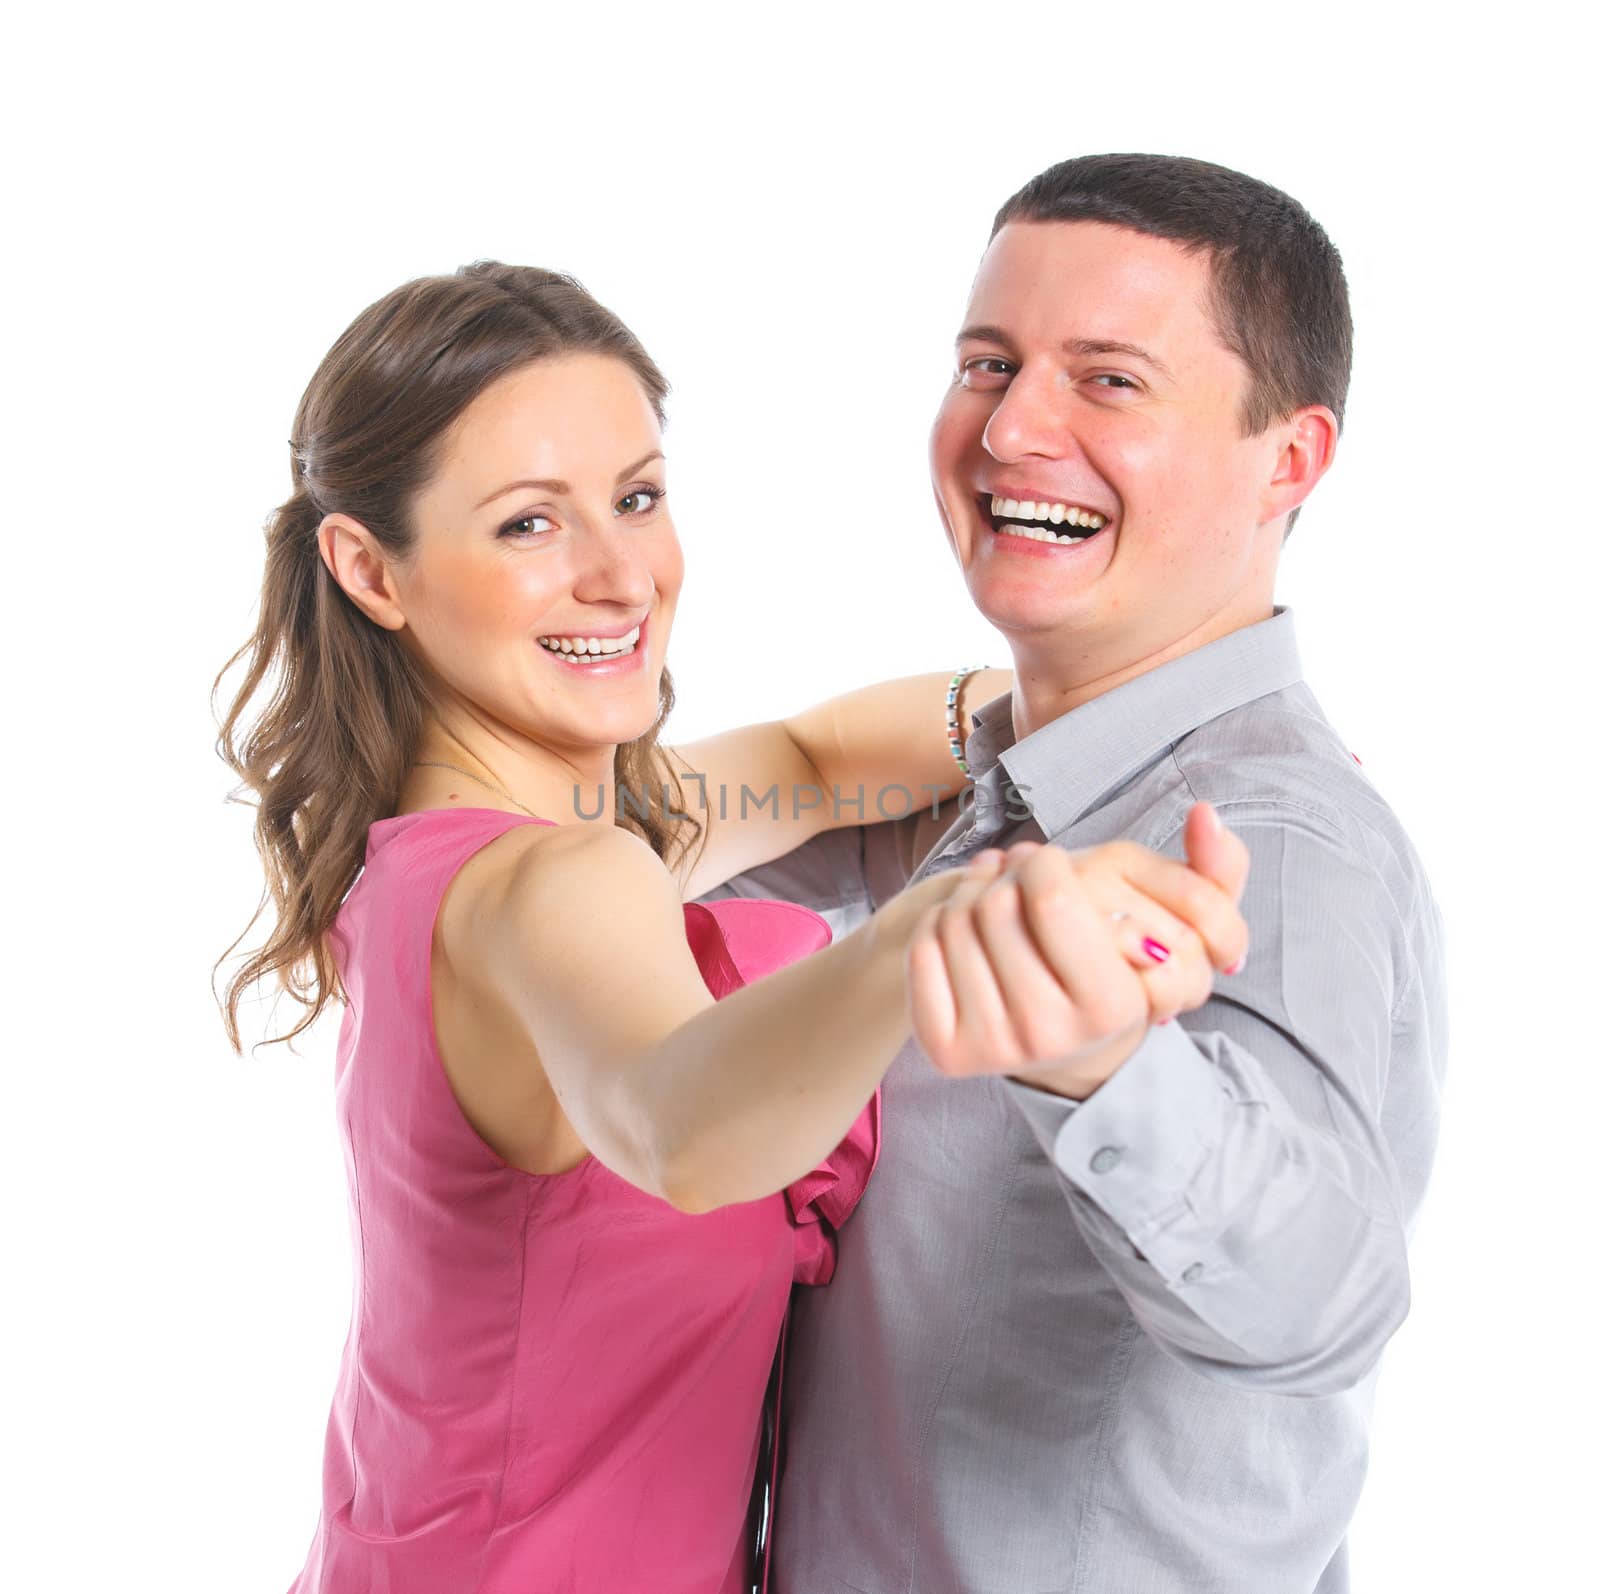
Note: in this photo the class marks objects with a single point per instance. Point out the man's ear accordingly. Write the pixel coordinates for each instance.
(1309, 439)
(357, 562)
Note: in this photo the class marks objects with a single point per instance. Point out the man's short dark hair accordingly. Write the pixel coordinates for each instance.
(1278, 294)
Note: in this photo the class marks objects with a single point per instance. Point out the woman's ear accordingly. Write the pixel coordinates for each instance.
(357, 562)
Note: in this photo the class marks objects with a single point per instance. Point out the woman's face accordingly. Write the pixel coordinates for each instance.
(543, 542)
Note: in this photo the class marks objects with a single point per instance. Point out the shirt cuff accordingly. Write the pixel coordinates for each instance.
(1134, 1146)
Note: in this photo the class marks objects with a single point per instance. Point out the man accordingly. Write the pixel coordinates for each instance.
(1113, 1330)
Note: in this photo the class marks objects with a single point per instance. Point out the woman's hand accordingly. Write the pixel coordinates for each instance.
(1051, 966)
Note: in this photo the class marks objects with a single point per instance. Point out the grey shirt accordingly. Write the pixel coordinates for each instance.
(1127, 1346)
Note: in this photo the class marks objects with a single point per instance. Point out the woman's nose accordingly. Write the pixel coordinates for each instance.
(612, 568)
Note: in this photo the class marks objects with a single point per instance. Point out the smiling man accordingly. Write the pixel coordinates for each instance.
(1115, 1332)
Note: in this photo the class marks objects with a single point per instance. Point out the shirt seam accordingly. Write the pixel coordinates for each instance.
(1274, 802)
(1110, 1406)
(1333, 819)
(949, 1372)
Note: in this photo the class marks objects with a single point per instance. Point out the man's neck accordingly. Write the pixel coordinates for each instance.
(1053, 681)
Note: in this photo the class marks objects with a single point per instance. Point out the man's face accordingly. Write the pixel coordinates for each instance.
(1091, 387)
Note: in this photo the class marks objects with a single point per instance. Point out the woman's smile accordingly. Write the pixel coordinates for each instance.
(600, 652)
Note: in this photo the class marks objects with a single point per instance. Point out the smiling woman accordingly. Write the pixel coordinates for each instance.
(586, 556)
(358, 460)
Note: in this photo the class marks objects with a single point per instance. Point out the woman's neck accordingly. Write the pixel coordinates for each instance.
(463, 770)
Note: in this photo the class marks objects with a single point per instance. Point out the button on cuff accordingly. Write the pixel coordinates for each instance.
(1135, 1145)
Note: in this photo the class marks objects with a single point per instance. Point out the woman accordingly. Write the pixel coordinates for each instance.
(582, 1187)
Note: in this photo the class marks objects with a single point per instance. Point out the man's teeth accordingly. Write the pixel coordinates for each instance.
(586, 649)
(1042, 514)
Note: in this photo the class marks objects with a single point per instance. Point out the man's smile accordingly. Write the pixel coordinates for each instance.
(1040, 520)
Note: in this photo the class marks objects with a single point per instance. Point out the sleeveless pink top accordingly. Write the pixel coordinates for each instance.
(553, 1384)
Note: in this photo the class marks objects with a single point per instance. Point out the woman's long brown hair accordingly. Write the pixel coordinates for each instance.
(328, 749)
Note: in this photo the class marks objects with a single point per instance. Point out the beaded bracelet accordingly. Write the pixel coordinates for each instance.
(952, 716)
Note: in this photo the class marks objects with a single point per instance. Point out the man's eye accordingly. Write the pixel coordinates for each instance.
(1114, 381)
(639, 502)
(985, 367)
(527, 526)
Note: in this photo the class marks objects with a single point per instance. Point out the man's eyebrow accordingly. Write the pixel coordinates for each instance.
(1089, 347)
(557, 488)
(981, 334)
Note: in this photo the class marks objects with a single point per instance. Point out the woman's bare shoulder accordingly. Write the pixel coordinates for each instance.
(533, 880)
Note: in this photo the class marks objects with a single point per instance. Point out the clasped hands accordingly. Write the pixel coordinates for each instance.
(1051, 965)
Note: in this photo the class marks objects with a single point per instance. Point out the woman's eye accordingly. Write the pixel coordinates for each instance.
(527, 526)
(638, 502)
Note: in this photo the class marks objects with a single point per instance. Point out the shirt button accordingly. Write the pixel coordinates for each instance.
(1193, 1271)
(1105, 1159)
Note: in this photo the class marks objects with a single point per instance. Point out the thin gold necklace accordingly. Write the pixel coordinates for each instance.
(434, 763)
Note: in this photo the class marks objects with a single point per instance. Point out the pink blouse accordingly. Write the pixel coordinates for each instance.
(553, 1383)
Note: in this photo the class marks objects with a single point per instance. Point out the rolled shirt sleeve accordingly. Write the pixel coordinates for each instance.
(1233, 1175)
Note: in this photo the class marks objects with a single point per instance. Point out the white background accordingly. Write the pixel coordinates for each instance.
(787, 204)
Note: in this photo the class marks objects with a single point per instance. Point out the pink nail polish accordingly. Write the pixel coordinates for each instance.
(1153, 948)
(1234, 968)
(1163, 1021)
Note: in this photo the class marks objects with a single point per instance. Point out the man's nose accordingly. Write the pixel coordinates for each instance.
(612, 567)
(1030, 419)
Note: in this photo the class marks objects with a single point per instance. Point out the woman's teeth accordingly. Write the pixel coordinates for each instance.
(590, 649)
(1026, 518)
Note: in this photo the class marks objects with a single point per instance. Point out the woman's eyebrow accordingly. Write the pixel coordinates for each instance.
(551, 486)
(639, 464)
(556, 487)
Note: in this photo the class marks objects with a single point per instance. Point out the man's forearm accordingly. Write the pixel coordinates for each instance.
(1232, 1175)
(1256, 1248)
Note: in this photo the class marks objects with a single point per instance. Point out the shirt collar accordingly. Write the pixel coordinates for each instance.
(1065, 768)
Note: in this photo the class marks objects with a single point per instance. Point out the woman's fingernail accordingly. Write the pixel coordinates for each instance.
(1235, 967)
(1153, 948)
(1163, 1021)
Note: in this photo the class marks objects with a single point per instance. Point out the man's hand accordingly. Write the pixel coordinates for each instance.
(1052, 966)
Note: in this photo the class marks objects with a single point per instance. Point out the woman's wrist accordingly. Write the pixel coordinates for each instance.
(890, 930)
(955, 730)
(968, 689)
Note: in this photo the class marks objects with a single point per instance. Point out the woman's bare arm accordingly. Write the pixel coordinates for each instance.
(877, 753)
(579, 932)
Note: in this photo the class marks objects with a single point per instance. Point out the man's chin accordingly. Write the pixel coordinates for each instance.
(1033, 611)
